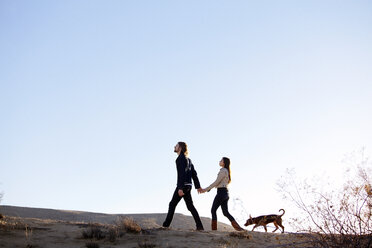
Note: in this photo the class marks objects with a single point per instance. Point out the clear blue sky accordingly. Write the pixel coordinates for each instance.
(95, 94)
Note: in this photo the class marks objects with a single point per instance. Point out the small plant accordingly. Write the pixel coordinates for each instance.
(240, 235)
(92, 245)
(146, 245)
(9, 224)
(129, 225)
(93, 232)
(113, 234)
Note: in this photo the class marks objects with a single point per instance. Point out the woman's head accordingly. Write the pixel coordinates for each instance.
(225, 163)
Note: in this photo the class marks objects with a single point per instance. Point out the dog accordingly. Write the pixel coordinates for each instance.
(266, 219)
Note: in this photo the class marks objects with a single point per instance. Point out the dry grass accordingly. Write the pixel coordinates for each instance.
(111, 232)
(9, 224)
(94, 231)
(146, 245)
(128, 225)
(92, 245)
(240, 235)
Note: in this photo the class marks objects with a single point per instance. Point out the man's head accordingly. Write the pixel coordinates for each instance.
(181, 147)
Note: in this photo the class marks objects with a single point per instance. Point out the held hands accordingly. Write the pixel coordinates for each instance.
(200, 190)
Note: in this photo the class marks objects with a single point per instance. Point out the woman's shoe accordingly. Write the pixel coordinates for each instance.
(236, 226)
(214, 225)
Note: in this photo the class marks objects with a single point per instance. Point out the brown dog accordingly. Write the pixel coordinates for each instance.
(266, 219)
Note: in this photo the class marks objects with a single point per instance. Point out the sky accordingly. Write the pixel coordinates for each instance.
(94, 95)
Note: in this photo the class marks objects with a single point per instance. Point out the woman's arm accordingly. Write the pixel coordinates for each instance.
(220, 176)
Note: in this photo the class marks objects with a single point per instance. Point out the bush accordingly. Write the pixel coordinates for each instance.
(93, 232)
(113, 234)
(146, 245)
(337, 218)
(92, 245)
(240, 235)
(128, 225)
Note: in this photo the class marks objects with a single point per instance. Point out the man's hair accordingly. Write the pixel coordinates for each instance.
(183, 146)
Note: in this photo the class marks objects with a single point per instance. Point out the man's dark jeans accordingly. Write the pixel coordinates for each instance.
(190, 206)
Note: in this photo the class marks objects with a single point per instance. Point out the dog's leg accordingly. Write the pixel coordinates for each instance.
(277, 227)
(281, 225)
(265, 228)
(255, 227)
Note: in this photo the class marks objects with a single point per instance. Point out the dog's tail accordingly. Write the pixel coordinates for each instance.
(282, 213)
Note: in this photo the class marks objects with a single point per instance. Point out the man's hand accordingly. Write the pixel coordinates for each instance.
(180, 192)
(200, 190)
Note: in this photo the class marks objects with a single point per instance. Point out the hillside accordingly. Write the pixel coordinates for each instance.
(47, 228)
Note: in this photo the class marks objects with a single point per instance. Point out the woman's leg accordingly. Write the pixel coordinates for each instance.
(216, 204)
(225, 210)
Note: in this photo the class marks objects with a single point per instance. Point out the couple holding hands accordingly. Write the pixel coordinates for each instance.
(186, 172)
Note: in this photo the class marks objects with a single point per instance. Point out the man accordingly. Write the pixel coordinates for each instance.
(185, 171)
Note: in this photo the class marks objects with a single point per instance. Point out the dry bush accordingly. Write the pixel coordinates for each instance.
(146, 245)
(128, 225)
(337, 218)
(92, 245)
(93, 231)
(240, 235)
(113, 234)
(9, 224)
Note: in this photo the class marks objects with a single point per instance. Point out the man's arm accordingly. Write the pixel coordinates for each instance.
(195, 178)
(181, 175)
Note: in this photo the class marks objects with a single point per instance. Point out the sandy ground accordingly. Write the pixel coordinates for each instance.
(39, 228)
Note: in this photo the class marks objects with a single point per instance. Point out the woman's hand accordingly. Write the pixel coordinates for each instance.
(201, 191)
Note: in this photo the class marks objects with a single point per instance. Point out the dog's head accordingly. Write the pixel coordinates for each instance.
(249, 221)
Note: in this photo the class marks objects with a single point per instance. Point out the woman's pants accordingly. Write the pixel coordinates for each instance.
(221, 199)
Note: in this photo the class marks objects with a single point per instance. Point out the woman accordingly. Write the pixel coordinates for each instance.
(222, 197)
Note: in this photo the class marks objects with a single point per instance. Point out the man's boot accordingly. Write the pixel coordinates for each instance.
(214, 225)
(236, 226)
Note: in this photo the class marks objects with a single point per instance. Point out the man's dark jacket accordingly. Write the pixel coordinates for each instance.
(186, 171)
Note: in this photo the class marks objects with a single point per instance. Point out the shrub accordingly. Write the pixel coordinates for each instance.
(337, 218)
(146, 245)
(128, 225)
(92, 245)
(93, 232)
(113, 234)
(240, 235)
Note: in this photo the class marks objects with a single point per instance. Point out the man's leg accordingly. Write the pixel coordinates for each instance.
(190, 206)
(172, 207)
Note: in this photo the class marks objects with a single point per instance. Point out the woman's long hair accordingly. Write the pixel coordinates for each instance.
(226, 161)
